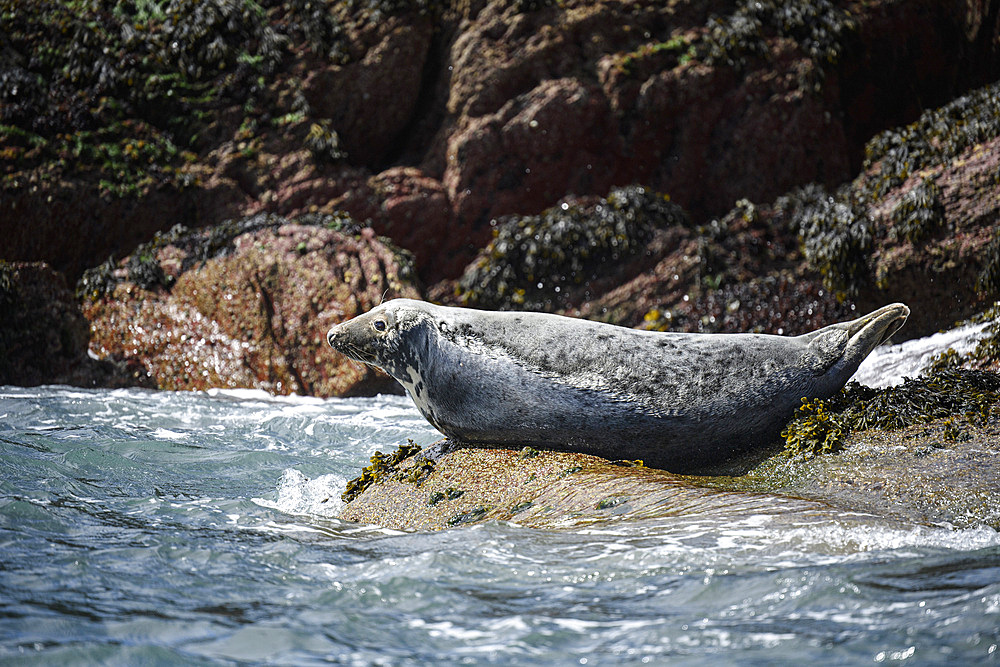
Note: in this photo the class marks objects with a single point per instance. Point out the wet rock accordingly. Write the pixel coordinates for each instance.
(247, 304)
(926, 451)
(926, 473)
(464, 486)
(918, 474)
(44, 337)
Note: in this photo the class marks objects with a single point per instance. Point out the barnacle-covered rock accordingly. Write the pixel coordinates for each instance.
(246, 304)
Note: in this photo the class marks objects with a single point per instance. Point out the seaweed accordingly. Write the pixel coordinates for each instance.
(534, 260)
(125, 94)
(988, 280)
(821, 426)
(937, 136)
(818, 26)
(470, 516)
(919, 213)
(199, 246)
(835, 234)
(381, 466)
(324, 143)
(984, 356)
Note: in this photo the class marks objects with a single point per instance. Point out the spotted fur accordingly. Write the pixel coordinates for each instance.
(677, 401)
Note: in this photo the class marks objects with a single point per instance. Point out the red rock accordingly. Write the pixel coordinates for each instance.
(257, 316)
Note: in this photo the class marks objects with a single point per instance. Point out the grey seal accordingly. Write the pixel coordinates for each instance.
(677, 401)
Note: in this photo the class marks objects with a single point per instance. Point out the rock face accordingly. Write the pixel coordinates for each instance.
(43, 336)
(432, 120)
(248, 305)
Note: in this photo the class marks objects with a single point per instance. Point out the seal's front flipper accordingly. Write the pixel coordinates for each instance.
(846, 344)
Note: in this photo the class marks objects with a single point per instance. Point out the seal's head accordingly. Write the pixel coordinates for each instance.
(385, 336)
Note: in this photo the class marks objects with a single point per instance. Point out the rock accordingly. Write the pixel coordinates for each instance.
(248, 304)
(370, 101)
(926, 451)
(502, 107)
(546, 490)
(414, 211)
(558, 138)
(913, 475)
(43, 335)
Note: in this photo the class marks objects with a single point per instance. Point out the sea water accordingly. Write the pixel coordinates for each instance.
(144, 527)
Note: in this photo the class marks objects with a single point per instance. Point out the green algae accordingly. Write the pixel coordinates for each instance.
(611, 502)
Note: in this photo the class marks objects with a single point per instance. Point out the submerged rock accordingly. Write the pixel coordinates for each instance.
(246, 304)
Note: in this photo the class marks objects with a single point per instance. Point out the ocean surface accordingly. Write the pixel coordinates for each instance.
(143, 528)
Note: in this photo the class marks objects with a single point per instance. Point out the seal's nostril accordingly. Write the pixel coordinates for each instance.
(331, 337)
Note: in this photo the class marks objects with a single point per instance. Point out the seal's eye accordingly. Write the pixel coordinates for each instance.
(379, 325)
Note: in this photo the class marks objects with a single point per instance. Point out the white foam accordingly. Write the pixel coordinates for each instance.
(299, 495)
(886, 366)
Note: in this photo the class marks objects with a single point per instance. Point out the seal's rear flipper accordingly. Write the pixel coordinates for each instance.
(846, 344)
